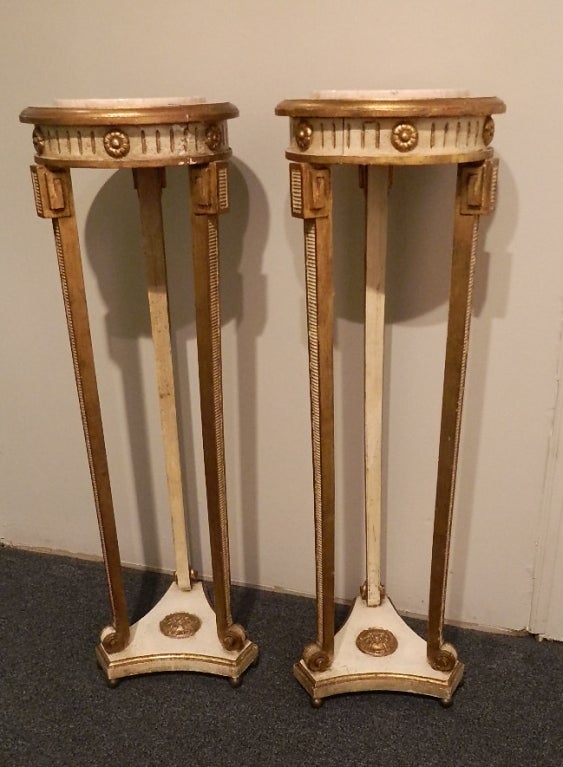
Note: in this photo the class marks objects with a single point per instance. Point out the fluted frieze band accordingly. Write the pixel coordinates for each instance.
(390, 132)
(130, 137)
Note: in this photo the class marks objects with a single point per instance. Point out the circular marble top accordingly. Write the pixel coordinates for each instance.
(392, 95)
(122, 103)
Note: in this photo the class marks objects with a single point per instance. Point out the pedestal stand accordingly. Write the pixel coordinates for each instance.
(375, 650)
(146, 135)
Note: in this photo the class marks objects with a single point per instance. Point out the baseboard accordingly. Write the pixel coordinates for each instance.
(271, 589)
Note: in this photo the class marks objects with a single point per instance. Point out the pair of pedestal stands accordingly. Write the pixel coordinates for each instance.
(375, 650)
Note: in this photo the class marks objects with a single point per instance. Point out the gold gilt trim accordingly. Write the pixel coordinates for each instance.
(378, 681)
(169, 115)
(179, 661)
(454, 107)
(390, 158)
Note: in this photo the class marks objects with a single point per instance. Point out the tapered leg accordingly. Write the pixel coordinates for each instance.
(311, 199)
(475, 195)
(149, 182)
(376, 190)
(209, 197)
(54, 200)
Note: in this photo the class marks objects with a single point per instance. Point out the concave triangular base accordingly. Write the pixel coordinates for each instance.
(406, 669)
(151, 650)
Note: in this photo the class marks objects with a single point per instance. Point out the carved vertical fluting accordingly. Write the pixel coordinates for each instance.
(310, 234)
(311, 199)
(54, 199)
(209, 197)
(475, 196)
(217, 393)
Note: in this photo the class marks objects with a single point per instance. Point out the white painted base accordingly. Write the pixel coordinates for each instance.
(150, 650)
(405, 670)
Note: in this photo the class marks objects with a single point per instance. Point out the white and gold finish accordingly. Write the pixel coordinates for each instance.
(181, 633)
(377, 130)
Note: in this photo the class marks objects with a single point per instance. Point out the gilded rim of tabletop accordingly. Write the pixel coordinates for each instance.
(128, 128)
(151, 115)
(424, 107)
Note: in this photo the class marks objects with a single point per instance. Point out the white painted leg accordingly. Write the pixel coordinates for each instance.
(377, 186)
(149, 187)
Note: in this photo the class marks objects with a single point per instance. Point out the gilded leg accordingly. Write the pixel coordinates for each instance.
(311, 199)
(54, 200)
(475, 195)
(209, 197)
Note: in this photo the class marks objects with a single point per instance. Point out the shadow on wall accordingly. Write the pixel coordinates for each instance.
(113, 246)
(417, 294)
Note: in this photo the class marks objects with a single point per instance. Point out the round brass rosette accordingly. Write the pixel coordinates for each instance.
(488, 130)
(213, 137)
(304, 136)
(180, 625)
(38, 140)
(404, 137)
(116, 143)
(376, 641)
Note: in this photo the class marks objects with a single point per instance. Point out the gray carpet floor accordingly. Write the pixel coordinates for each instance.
(55, 708)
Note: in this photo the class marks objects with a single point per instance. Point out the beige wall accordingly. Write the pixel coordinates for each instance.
(254, 54)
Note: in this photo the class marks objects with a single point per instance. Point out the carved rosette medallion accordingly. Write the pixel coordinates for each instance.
(213, 137)
(303, 136)
(404, 137)
(376, 641)
(116, 143)
(38, 140)
(488, 130)
(180, 625)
